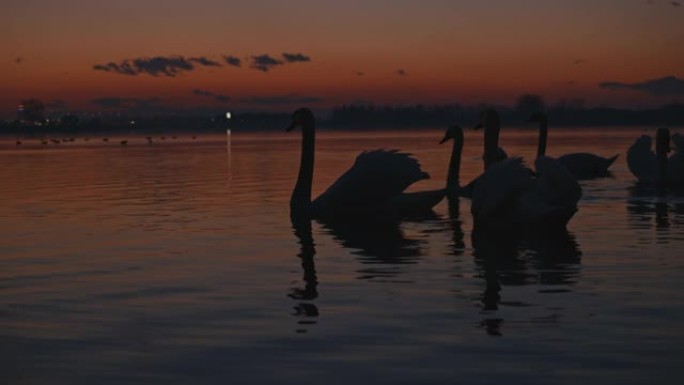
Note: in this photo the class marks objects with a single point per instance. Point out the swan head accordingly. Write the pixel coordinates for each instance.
(644, 141)
(489, 118)
(454, 132)
(302, 117)
(538, 116)
(663, 140)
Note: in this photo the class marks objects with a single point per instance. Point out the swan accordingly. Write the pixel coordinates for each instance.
(655, 167)
(455, 132)
(509, 196)
(453, 187)
(374, 184)
(581, 165)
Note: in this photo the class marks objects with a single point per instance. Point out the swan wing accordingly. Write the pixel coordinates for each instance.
(641, 160)
(498, 189)
(373, 179)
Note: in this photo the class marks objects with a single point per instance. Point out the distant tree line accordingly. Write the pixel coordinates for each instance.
(31, 119)
(564, 113)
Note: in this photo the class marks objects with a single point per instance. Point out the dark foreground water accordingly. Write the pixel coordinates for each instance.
(176, 263)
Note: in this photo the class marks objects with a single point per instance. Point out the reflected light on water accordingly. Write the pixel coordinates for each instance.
(177, 262)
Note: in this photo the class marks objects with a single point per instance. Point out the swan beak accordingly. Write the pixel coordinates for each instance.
(478, 126)
(291, 126)
(444, 140)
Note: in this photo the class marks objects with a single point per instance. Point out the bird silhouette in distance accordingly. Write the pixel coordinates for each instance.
(582, 165)
(509, 196)
(374, 185)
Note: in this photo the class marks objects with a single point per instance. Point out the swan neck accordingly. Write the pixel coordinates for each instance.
(300, 202)
(455, 165)
(661, 161)
(543, 134)
(491, 142)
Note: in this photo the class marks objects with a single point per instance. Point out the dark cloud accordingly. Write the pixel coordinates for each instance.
(232, 60)
(205, 61)
(295, 57)
(125, 103)
(675, 3)
(265, 62)
(667, 86)
(281, 100)
(359, 73)
(401, 72)
(125, 68)
(580, 61)
(218, 97)
(155, 66)
(159, 65)
(18, 59)
(171, 66)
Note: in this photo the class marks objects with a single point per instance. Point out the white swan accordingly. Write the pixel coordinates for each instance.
(655, 167)
(509, 196)
(372, 186)
(582, 165)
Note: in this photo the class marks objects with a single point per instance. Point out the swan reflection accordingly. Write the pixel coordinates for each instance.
(378, 241)
(456, 226)
(374, 241)
(305, 310)
(531, 259)
(657, 207)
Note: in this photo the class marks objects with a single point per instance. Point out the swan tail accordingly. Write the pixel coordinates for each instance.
(415, 203)
(611, 160)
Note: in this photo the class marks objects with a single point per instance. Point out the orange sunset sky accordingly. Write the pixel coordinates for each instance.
(276, 55)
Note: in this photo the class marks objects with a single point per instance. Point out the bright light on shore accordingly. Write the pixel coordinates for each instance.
(227, 115)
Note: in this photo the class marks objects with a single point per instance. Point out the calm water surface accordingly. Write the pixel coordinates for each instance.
(176, 263)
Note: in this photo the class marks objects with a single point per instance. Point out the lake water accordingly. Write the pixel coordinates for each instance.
(176, 263)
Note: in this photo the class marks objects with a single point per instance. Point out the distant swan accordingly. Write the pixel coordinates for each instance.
(581, 165)
(655, 167)
(508, 195)
(374, 184)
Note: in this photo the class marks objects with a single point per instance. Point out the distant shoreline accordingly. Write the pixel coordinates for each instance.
(350, 118)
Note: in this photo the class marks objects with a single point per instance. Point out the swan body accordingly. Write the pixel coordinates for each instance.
(372, 186)
(675, 163)
(654, 167)
(509, 195)
(581, 165)
(641, 160)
